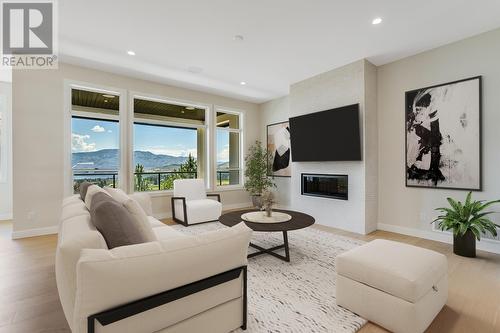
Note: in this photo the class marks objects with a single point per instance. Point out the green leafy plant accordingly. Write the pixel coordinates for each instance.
(256, 169)
(467, 216)
(141, 183)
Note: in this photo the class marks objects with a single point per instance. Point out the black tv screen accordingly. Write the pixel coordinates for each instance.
(331, 135)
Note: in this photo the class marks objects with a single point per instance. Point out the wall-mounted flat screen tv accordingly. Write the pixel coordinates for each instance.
(331, 135)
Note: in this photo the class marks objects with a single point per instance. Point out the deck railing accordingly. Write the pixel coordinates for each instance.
(110, 178)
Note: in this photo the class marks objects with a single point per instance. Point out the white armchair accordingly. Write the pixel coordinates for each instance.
(190, 203)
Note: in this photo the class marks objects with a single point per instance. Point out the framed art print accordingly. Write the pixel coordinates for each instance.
(443, 135)
(278, 144)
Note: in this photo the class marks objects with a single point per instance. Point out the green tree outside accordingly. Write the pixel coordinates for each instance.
(186, 170)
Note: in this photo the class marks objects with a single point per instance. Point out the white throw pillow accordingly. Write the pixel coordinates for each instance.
(91, 191)
(117, 194)
(140, 216)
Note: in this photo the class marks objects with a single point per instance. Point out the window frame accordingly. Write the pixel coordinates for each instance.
(207, 154)
(121, 118)
(241, 132)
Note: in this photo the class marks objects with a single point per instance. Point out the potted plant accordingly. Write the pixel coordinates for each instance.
(256, 170)
(468, 221)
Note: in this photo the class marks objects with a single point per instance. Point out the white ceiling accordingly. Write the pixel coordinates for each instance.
(285, 41)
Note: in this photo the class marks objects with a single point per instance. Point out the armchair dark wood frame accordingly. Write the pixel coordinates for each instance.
(144, 304)
(185, 222)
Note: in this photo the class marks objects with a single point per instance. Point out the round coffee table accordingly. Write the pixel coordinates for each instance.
(298, 221)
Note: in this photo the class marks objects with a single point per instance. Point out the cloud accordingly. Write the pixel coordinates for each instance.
(223, 155)
(110, 131)
(98, 129)
(79, 144)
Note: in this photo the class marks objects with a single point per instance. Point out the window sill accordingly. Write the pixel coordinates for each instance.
(228, 188)
(169, 193)
(154, 194)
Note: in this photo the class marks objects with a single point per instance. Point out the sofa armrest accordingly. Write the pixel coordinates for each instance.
(110, 278)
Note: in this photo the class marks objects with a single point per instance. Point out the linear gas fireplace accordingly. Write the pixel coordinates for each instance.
(327, 186)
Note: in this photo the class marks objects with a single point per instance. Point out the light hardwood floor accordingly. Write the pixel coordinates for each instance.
(29, 302)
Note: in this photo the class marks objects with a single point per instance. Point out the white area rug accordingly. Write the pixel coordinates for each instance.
(298, 296)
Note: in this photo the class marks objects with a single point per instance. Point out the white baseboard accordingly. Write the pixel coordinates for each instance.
(237, 206)
(167, 215)
(34, 232)
(485, 244)
(4, 217)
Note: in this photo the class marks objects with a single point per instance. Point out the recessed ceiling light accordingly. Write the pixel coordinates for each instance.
(377, 20)
(105, 101)
(195, 69)
(189, 107)
(130, 52)
(108, 96)
(238, 38)
(243, 83)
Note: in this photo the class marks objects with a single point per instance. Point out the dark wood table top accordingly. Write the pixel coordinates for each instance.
(298, 221)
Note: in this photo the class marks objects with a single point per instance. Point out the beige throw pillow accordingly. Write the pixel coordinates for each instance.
(141, 218)
(117, 194)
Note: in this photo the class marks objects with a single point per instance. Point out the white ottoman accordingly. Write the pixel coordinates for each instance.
(397, 286)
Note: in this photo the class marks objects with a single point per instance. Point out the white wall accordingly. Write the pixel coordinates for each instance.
(6, 159)
(410, 210)
(38, 130)
(339, 87)
(350, 84)
(271, 112)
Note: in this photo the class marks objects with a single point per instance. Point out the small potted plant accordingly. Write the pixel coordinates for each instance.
(256, 171)
(268, 202)
(468, 221)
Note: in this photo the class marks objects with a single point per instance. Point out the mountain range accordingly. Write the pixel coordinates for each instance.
(107, 159)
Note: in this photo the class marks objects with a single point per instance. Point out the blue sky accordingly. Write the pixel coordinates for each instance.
(92, 135)
(165, 140)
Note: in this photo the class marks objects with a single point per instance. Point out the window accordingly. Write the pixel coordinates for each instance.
(151, 143)
(228, 147)
(169, 143)
(95, 138)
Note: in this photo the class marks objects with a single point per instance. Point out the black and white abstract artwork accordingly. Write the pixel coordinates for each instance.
(278, 144)
(443, 136)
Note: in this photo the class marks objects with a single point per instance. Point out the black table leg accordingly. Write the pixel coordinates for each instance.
(271, 250)
(287, 250)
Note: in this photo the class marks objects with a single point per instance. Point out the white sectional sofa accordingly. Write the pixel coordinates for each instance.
(176, 284)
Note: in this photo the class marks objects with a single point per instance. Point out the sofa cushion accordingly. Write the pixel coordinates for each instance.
(155, 223)
(402, 270)
(117, 194)
(144, 200)
(91, 191)
(74, 209)
(166, 233)
(141, 218)
(83, 189)
(72, 200)
(115, 223)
